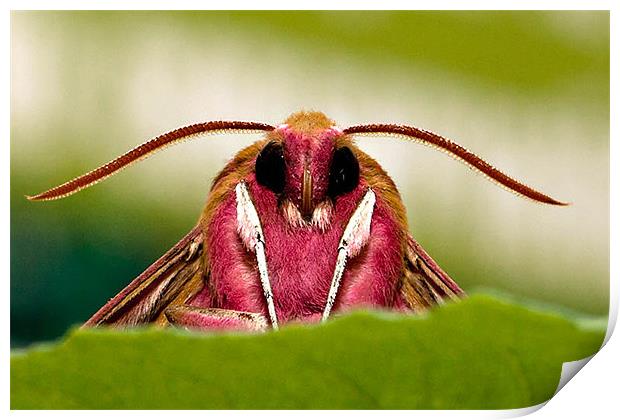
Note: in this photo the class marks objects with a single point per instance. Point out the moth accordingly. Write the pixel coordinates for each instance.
(297, 226)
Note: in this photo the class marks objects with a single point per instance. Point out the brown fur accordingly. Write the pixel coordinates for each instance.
(241, 165)
(309, 121)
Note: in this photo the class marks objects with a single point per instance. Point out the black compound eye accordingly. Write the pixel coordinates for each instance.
(344, 172)
(270, 167)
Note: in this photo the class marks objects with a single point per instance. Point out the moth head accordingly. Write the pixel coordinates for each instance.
(308, 163)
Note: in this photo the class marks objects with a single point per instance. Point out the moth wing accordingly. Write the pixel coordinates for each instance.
(424, 282)
(172, 279)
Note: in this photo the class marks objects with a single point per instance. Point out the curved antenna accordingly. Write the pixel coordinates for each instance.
(456, 151)
(145, 150)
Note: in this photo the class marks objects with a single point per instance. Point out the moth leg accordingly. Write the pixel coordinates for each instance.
(214, 319)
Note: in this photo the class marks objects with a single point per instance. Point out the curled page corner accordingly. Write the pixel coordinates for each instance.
(613, 317)
(520, 412)
(570, 369)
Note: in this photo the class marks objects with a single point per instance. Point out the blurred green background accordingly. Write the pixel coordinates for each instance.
(529, 91)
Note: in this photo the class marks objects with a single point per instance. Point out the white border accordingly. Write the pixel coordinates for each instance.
(310, 5)
(593, 394)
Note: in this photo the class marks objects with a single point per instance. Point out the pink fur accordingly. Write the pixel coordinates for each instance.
(316, 150)
(301, 256)
(216, 319)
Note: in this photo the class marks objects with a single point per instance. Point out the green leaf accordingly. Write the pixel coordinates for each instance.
(479, 353)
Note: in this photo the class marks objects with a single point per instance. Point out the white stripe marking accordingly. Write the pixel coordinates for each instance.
(354, 238)
(247, 219)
